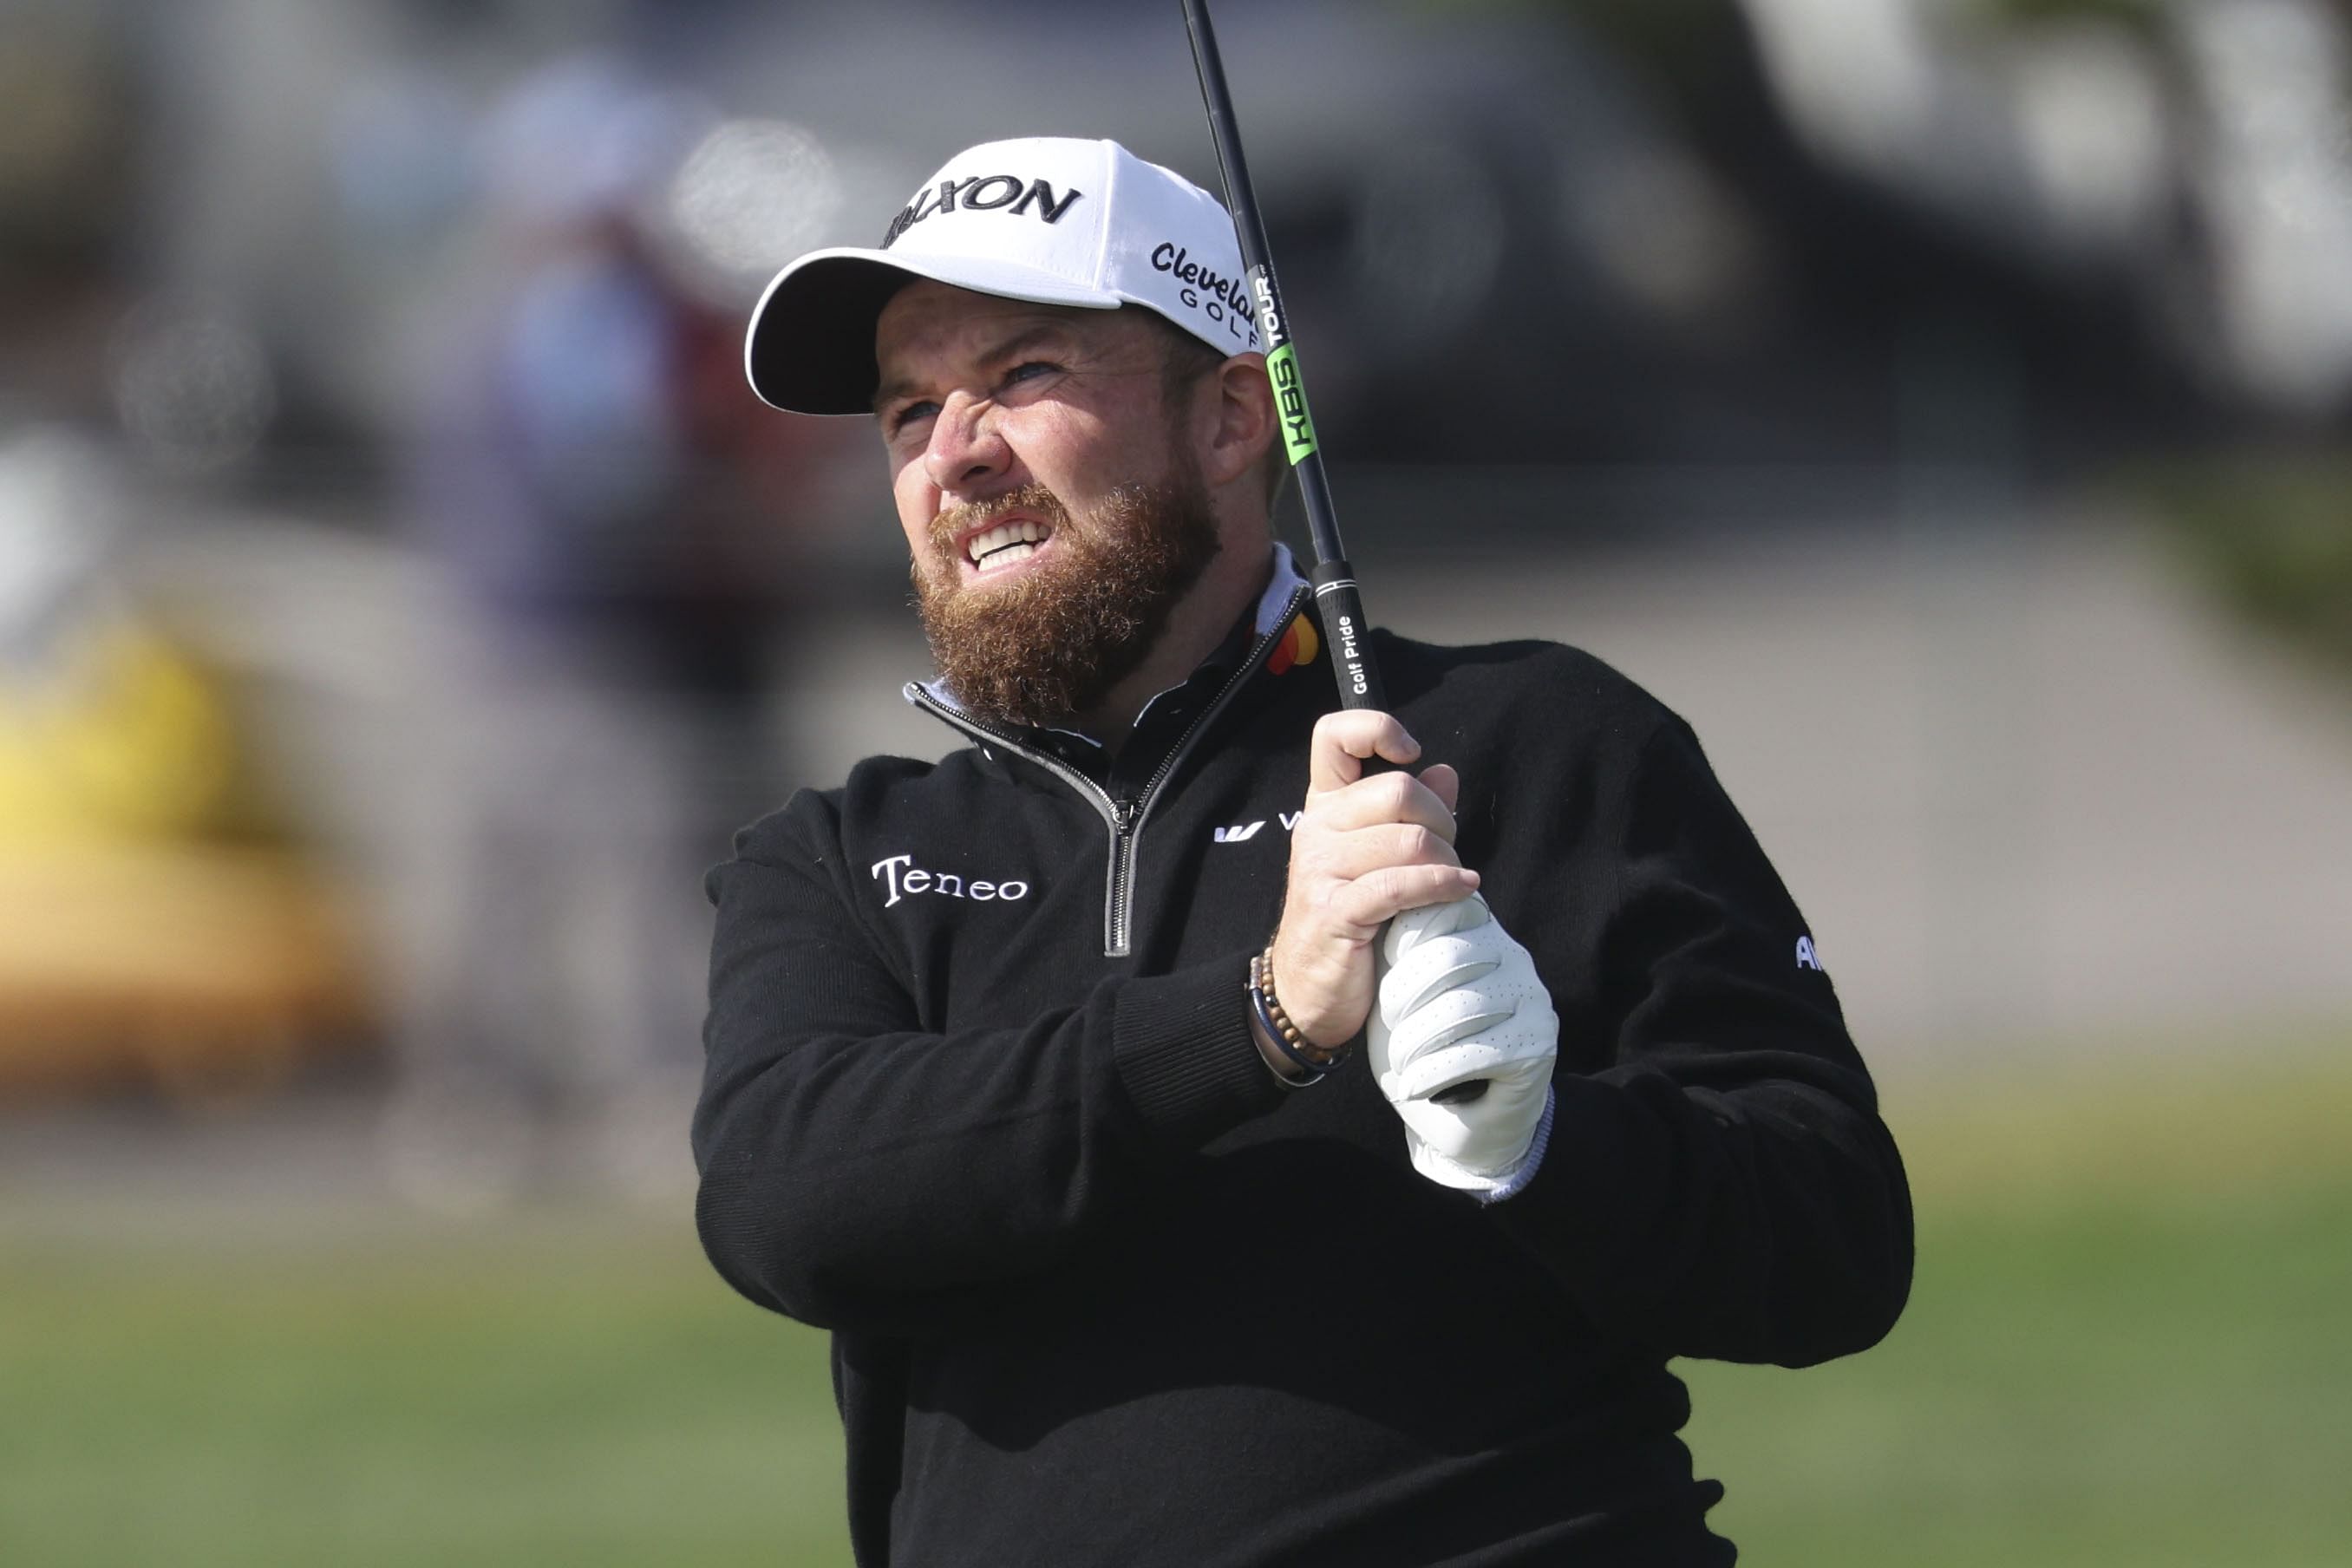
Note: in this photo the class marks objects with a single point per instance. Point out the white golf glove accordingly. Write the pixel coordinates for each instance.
(1459, 1000)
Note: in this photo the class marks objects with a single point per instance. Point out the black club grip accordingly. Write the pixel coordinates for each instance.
(1341, 611)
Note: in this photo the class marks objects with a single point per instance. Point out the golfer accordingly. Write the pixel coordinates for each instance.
(1170, 1200)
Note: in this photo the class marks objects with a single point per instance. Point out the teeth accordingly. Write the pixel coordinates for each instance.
(1017, 540)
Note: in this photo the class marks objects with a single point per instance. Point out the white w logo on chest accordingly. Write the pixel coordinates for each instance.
(1243, 832)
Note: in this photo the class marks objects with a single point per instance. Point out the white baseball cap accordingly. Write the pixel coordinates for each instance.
(1048, 220)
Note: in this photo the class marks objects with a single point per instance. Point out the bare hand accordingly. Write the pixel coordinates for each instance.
(1364, 850)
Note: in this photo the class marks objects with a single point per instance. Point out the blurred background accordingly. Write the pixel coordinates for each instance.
(1946, 404)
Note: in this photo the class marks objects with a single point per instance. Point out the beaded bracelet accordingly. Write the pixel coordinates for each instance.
(1277, 1025)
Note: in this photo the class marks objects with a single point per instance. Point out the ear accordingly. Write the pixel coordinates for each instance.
(1244, 422)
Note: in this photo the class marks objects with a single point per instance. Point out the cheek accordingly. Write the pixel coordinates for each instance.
(1080, 455)
(917, 504)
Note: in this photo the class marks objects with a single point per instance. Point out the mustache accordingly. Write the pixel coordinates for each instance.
(1032, 497)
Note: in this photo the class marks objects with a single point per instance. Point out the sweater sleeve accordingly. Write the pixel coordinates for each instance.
(857, 1172)
(1718, 1183)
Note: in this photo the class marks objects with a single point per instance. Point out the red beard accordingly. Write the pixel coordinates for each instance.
(1047, 648)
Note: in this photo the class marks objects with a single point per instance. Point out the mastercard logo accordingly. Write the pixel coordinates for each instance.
(1300, 645)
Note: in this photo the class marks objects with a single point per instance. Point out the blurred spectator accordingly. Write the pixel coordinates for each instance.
(614, 587)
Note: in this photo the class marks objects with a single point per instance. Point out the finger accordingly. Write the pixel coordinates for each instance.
(1345, 857)
(1445, 926)
(1432, 969)
(1345, 739)
(1373, 899)
(1442, 781)
(1380, 799)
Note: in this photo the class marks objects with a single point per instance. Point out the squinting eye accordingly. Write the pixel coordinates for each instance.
(1030, 370)
(909, 414)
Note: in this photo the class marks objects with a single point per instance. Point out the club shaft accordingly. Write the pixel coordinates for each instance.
(1338, 603)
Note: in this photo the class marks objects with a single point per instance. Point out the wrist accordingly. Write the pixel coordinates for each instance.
(1280, 1040)
(1288, 1073)
(1315, 1002)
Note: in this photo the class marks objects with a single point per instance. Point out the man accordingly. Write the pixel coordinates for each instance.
(1031, 1072)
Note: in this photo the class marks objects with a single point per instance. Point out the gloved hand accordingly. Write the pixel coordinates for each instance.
(1459, 1000)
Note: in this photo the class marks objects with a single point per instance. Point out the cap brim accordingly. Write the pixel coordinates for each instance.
(809, 349)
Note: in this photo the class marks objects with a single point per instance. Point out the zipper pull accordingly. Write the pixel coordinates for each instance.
(1122, 812)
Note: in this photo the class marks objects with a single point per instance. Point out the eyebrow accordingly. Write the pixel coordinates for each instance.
(1027, 338)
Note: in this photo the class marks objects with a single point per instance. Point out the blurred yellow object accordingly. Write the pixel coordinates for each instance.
(201, 968)
(142, 935)
(131, 740)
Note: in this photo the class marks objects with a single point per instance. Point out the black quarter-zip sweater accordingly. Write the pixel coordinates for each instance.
(980, 1098)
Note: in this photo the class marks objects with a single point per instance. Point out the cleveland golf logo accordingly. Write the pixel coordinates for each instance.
(982, 193)
(902, 878)
(1204, 288)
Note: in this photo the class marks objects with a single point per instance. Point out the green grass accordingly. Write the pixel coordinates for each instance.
(2128, 1344)
(2128, 1388)
(2129, 1340)
(540, 1395)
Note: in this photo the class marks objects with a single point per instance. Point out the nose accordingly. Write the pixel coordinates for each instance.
(966, 451)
